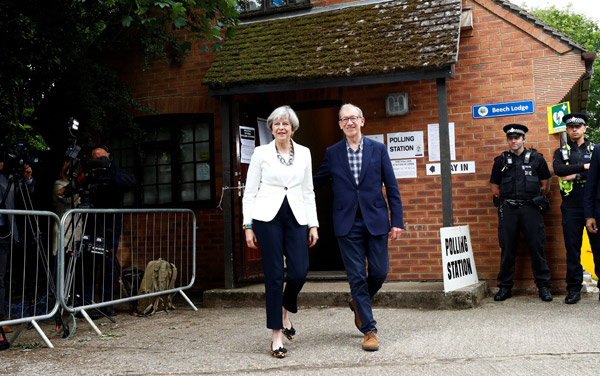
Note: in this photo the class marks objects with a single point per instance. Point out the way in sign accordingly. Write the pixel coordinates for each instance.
(467, 167)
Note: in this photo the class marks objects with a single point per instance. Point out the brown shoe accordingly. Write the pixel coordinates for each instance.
(357, 321)
(370, 343)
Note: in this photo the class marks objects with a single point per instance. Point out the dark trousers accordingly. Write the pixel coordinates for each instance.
(356, 247)
(573, 223)
(106, 266)
(282, 236)
(530, 221)
(4, 248)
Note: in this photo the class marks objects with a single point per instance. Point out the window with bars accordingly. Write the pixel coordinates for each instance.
(174, 162)
(257, 7)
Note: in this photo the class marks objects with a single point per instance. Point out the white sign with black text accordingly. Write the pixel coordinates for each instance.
(405, 168)
(404, 145)
(458, 264)
(466, 167)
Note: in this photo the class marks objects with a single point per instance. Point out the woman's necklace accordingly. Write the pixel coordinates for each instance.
(282, 160)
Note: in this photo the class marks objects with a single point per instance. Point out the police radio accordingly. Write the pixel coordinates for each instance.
(565, 154)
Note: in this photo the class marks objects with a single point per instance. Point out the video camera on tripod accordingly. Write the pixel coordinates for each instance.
(85, 175)
(16, 156)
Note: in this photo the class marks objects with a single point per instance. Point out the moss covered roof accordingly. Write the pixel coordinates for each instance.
(387, 38)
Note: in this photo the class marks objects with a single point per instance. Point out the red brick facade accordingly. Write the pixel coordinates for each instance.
(504, 58)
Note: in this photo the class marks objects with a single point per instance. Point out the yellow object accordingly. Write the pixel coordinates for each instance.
(587, 258)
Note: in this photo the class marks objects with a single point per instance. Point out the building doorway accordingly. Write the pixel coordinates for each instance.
(319, 130)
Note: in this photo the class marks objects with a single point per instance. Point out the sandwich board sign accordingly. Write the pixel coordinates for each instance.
(457, 258)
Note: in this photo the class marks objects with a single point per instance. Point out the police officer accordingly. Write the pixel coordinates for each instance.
(519, 179)
(571, 163)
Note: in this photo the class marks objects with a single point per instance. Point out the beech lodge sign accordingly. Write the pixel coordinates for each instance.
(503, 109)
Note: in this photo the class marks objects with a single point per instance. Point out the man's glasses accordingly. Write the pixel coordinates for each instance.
(353, 119)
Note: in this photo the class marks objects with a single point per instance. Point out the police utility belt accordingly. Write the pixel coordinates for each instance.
(517, 203)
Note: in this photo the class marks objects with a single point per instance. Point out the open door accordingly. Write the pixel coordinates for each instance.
(318, 130)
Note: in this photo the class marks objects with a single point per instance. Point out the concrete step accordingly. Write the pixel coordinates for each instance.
(425, 295)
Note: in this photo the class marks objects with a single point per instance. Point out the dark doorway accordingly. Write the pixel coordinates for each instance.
(319, 130)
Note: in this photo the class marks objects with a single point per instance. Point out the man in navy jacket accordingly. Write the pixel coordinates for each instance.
(358, 168)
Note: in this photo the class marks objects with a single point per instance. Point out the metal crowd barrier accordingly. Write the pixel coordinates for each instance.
(31, 293)
(92, 276)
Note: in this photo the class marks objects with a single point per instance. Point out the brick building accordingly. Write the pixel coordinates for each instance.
(446, 55)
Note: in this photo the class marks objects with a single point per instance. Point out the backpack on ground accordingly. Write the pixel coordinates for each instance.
(160, 275)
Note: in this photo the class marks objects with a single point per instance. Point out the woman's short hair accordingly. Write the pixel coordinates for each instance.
(284, 112)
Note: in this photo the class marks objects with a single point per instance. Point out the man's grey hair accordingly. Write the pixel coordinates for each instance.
(347, 105)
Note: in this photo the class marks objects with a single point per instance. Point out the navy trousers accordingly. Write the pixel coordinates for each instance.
(573, 222)
(282, 236)
(357, 247)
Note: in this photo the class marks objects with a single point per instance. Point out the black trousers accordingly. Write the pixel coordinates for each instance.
(282, 236)
(4, 249)
(511, 223)
(573, 222)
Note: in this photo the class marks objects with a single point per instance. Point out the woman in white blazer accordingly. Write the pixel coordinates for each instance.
(278, 207)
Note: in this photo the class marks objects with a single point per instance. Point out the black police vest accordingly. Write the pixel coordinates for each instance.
(520, 179)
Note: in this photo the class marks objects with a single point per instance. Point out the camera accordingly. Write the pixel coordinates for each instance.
(16, 156)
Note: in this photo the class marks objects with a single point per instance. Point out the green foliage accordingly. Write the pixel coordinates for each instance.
(586, 32)
(53, 63)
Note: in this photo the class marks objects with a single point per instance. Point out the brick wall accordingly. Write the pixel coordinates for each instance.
(502, 59)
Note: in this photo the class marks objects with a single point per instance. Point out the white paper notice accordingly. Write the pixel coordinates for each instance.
(264, 134)
(405, 168)
(433, 142)
(376, 137)
(247, 143)
(405, 145)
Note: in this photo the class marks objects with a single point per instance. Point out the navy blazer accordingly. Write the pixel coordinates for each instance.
(591, 195)
(376, 170)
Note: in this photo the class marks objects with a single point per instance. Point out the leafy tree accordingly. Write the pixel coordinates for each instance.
(586, 32)
(53, 64)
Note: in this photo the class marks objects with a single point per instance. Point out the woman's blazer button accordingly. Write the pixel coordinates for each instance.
(285, 188)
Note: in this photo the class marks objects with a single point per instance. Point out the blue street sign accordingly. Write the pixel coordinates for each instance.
(503, 109)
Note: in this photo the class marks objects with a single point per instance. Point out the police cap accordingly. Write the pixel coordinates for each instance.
(515, 130)
(575, 119)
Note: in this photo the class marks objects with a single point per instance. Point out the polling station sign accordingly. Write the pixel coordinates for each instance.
(457, 258)
(404, 145)
(503, 109)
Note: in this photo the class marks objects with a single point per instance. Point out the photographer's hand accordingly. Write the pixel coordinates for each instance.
(27, 173)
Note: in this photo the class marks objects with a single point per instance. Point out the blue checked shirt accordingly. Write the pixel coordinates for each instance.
(355, 159)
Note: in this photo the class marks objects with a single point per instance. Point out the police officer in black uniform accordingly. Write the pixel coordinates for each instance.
(571, 163)
(519, 179)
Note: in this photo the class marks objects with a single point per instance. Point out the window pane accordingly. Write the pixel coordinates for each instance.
(187, 153)
(278, 3)
(164, 157)
(149, 194)
(164, 174)
(187, 192)
(149, 158)
(164, 193)
(202, 171)
(203, 191)
(202, 133)
(129, 199)
(187, 133)
(127, 158)
(202, 151)
(149, 175)
(163, 134)
(187, 172)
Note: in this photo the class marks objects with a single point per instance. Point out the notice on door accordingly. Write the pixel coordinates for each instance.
(458, 263)
(247, 137)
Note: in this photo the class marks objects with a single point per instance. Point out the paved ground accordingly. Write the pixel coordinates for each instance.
(521, 336)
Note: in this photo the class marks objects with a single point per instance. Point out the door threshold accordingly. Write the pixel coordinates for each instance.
(326, 275)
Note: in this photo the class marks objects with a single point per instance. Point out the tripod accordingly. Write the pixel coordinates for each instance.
(18, 187)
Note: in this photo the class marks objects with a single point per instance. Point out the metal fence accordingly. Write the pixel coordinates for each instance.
(106, 253)
(26, 255)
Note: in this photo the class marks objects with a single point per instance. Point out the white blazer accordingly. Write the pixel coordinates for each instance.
(265, 186)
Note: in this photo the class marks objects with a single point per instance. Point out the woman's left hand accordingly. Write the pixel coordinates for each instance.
(313, 236)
